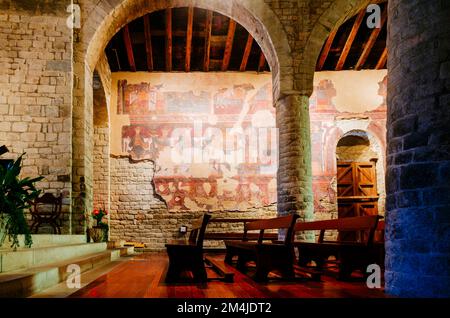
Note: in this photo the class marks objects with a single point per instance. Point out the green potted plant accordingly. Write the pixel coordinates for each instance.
(15, 196)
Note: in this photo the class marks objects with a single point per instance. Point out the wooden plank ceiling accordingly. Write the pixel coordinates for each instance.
(354, 46)
(184, 39)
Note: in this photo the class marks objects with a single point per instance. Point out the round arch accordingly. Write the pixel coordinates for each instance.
(337, 13)
(108, 17)
(104, 19)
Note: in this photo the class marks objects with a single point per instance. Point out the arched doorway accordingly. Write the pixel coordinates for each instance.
(360, 175)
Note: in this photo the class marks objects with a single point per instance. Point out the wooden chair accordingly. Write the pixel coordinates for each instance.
(46, 210)
(188, 256)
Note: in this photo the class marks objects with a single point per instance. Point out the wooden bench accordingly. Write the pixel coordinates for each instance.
(268, 256)
(225, 274)
(188, 256)
(224, 236)
(350, 255)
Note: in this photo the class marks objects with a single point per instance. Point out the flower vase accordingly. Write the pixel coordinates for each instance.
(96, 234)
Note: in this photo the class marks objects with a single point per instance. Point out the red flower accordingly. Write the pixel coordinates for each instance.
(96, 212)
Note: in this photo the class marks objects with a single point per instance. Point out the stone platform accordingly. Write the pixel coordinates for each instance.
(27, 271)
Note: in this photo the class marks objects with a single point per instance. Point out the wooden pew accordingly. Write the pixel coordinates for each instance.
(188, 256)
(225, 274)
(230, 235)
(267, 256)
(350, 255)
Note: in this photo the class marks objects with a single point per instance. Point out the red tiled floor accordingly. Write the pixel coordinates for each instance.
(143, 277)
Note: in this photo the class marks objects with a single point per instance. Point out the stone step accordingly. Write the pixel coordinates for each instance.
(36, 279)
(126, 250)
(61, 290)
(39, 256)
(44, 240)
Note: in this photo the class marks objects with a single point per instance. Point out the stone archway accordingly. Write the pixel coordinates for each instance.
(259, 20)
(336, 14)
(107, 17)
(295, 170)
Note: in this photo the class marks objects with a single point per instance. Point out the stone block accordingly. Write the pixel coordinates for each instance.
(28, 136)
(19, 127)
(46, 89)
(404, 126)
(34, 127)
(5, 126)
(21, 109)
(415, 176)
(444, 72)
(62, 66)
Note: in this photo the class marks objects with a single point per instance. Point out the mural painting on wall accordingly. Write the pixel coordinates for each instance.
(333, 112)
(215, 150)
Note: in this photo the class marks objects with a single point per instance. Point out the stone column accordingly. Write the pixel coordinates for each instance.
(82, 145)
(418, 154)
(294, 168)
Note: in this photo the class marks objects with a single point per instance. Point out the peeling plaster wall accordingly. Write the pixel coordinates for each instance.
(153, 192)
(150, 192)
(341, 102)
(139, 214)
(212, 136)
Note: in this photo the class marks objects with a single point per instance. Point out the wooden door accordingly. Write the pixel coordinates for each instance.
(357, 192)
(356, 180)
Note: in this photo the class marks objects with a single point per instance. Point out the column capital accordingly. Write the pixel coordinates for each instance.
(288, 93)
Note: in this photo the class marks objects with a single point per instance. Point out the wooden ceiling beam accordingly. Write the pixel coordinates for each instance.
(228, 45)
(129, 48)
(248, 49)
(371, 41)
(179, 33)
(382, 60)
(326, 50)
(168, 40)
(148, 43)
(262, 62)
(350, 39)
(190, 22)
(208, 29)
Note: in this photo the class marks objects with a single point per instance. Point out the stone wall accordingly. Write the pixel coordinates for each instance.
(35, 93)
(135, 210)
(139, 214)
(101, 167)
(101, 178)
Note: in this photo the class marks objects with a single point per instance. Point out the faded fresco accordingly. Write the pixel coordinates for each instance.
(342, 102)
(215, 146)
(212, 136)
